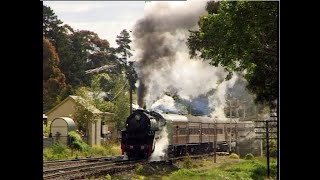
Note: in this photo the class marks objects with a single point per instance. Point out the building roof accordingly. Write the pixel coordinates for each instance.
(79, 100)
(69, 121)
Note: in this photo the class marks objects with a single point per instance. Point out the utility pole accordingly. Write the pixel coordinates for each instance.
(268, 127)
(215, 142)
(130, 78)
(230, 125)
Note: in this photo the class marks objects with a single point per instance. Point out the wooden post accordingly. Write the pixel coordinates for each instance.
(215, 142)
(268, 151)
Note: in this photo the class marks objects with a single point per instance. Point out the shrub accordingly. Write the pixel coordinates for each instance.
(233, 156)
(187, 163)
(74, 136)
(76, 141)
(108, 177)
(46, 130)
(249, 156)
(58, 148)
(139, 169)
(57, 151)
(47, 154)
(98, 150)
(259, 171)
(273, 148)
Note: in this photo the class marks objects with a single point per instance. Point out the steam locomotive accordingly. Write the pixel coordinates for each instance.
(185, 133)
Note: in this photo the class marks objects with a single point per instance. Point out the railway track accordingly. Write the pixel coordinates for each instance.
(66, 163)
(88, 167)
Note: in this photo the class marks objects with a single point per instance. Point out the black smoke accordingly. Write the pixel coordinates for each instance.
(155, 36)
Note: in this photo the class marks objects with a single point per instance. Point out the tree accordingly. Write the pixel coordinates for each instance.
(121, 101)
(59, 35)
(86, 51)
(53, 80)
(92, 97)
(241, 36)
(79, 51)
(114, 100)
(123, 40)
(56, 32)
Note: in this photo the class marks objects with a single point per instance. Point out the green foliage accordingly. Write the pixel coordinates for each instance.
(246, 170)
(121, 101)
(46, 130)
(88, 100)
(57, 151)
(98, 150)
(123, 49)
(139, 169)
(79, 50)
(187, 163)
(76, 142)
(108, 177)
(74, 136)
(54, 84)
(273, 148)
(234, 156)
(249, 156)
(241, 36)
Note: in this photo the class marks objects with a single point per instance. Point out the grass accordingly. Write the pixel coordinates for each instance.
(254, 169)
(202, 169)
(78, 148)
(59, 151)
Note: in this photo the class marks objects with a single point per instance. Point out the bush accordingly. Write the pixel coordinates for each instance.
(46, 130)
(259, 171)
(108, 177)
(74, 136)
(273, 148)
(249, 156)
(47, 154)
(187, 163)
(58, 148)
(57, 151)
(76, 142)
(233, 156)
(139, 169)
(98, 150)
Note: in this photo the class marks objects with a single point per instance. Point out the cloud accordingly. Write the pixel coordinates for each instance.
(107, 19)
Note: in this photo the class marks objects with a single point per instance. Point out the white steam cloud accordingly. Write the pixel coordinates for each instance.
(161, 146)
(163, 61)
(165, 104)
(218, 100)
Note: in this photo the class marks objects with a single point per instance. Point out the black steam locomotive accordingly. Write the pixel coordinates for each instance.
(137, 139)
(185, 133)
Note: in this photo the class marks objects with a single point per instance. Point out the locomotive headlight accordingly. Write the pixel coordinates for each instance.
(137, 117)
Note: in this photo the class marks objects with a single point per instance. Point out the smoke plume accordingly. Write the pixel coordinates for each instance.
(161, 146)
(160, 35)
(164, 66)
(218, 100)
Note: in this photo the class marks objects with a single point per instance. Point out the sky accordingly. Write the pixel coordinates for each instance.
(106, 18)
